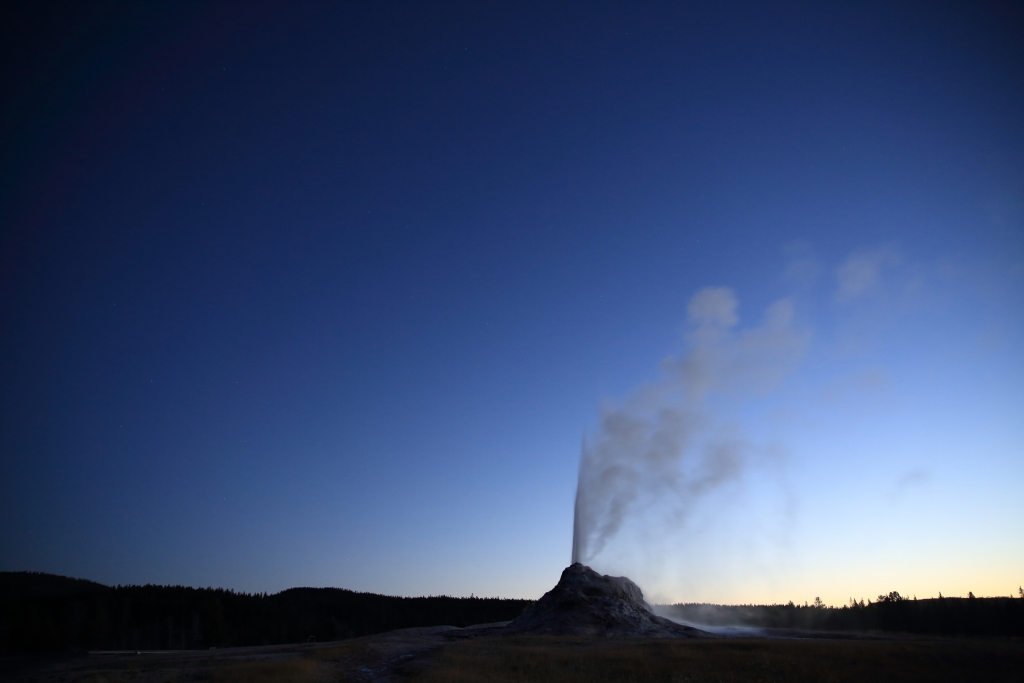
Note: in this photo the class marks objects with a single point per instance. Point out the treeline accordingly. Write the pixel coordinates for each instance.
(969, 616)
(47, 613)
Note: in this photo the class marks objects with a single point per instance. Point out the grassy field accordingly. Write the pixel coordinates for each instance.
(339, 662)
(318, 666)
(498, 659)
(568, 660)
(300, 670)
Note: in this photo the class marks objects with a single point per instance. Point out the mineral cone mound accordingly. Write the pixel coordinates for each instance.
(585, 603)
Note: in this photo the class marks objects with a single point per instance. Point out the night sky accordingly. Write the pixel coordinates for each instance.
(331, 294)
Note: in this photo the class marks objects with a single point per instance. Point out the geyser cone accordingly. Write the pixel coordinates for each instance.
(585, 603)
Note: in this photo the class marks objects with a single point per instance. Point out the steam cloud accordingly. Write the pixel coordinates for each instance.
(662, 446)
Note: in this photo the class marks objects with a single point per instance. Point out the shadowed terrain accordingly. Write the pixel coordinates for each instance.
(473, 655)
(579, 631)
(43, 613)
(572, 660)
(380, 657)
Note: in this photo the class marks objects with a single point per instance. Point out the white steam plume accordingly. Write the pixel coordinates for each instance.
(661, 446)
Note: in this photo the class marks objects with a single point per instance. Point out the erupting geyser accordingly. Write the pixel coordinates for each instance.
(585, 603)
(662, 451)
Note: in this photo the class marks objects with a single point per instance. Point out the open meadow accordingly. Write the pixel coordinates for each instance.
(461, 656)
(569, 660)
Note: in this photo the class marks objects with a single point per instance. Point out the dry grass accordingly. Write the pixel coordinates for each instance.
(311, 667)
(333, 663)
(344, 651)
(130, 673)
(295, 670)
(569, 660)
(109, 677)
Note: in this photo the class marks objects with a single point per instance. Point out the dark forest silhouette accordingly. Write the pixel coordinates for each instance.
(47, 613)
(968, 616)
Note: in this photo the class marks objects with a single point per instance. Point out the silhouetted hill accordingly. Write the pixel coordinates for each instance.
(47, 613)
(27, 585)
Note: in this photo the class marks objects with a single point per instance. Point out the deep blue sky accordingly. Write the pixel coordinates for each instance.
(326, 295)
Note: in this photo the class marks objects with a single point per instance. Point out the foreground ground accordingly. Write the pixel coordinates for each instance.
(470, 655)
(569, 660)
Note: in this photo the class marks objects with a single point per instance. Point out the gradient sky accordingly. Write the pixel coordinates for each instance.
(330, 295)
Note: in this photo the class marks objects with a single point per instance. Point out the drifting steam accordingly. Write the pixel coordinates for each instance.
(662, 446)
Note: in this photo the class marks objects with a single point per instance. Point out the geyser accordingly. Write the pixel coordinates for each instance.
(585, 603)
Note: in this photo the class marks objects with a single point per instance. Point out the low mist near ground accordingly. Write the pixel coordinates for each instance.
(891, 614)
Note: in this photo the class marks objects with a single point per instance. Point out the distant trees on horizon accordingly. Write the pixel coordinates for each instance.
(47, 613)
(892, 612)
